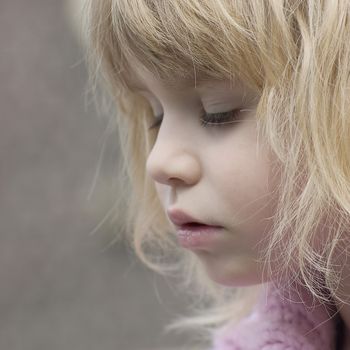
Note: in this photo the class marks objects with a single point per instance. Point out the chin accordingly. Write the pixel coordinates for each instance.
(234, 280)
(238, 273)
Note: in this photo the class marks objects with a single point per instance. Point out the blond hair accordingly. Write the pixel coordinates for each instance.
(296, 54)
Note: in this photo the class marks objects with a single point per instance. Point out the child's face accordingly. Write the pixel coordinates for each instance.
(215, 174)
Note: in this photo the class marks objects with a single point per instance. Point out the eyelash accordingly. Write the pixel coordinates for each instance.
(211, 119)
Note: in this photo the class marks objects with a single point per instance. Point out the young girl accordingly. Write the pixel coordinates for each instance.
(234, 120)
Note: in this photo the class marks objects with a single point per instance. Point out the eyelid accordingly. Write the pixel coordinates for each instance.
(212, 117)
(220, 118)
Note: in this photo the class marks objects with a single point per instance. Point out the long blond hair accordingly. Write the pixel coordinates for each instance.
(296, 54)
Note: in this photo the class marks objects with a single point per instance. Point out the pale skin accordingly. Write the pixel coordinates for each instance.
(216, 174)
(219, 174)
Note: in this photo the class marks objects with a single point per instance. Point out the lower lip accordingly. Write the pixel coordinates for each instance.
(200, 236)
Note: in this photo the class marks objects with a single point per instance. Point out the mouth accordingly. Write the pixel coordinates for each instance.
(181, 219)
(195, 225)
(192, 233)
(198, 236)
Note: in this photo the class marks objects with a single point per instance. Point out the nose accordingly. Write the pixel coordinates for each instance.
(171, 163)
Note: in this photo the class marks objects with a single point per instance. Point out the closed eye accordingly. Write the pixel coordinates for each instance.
(210, 119)
(221, 118)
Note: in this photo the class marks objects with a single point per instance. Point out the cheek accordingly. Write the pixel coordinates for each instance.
(161, 193)
(244, 182)
(243, 166)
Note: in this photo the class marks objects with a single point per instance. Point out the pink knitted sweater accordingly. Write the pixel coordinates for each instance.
(277, 323)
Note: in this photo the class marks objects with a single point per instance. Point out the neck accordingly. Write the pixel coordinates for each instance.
(344, 306)
(344, 311)
(346, 345)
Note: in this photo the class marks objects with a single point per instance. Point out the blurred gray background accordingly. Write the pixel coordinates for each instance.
(63, 287)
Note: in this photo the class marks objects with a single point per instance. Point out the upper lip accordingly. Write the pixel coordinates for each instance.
(180, 218)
